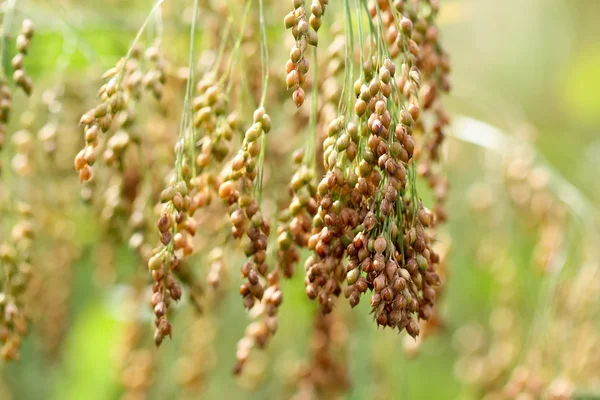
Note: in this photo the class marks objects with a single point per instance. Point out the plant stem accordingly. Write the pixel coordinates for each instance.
(187, 110)
(6, 25)
(310, 158)
(264, 55)
(136, 40)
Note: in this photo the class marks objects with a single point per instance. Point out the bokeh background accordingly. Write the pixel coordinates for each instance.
(526, 70)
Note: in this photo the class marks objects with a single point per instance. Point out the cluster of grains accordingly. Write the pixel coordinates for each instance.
(136, 362)
(326, 376)
(508, 364)
(217, 271)
(369, 212)
(528, 188)
(217, 128)
(20, 77)
(21, 161)
(244, 212)
(176, 228)
(305, 33)
(248, 220)
(393, 24)
(139, 226)
(330, 89)
(155, 78)
(15, 257)
(50, 290)
(295, 222)
(118, 95)
(192, 375)
(47, 134)
(484, 365)
(194, 182)
(325, 270)
(99, 119)
(505, 365)
(434, 64)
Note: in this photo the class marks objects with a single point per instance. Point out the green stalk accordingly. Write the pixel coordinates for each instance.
(6, 25)
(187, 109)
(264, 55)
(136, 40)
(310, 158)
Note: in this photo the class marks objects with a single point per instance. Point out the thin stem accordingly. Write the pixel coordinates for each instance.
(136, 40)
(6, 25)
(238, 43)
(341, 104)
(264, 53)
(383, 48)
(360, 34)
(371, 26)
(350, 59)
(224, 40)
(309, 157)
(187, 109)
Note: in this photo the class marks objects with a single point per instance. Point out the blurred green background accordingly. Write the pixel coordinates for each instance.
(530, 68)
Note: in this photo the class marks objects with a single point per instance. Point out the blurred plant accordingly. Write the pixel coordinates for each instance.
(533, 364)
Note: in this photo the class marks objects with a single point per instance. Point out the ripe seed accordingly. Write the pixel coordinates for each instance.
(290, 20)
(292, 79)
(298, 97)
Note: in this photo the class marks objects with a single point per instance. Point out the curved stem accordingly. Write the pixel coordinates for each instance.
(136, 40)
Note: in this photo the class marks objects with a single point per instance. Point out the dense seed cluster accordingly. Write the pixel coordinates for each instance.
(369, 211)
(99, 119)
(434, 64)
(118, 95)
(20, 77)
(304, 29)
(217, 126)
(192, 375)
(136, 362)
(154, 80)
(48, 133)
(295, 222)
(244, 212)
(326, 375)
(15, 255)
(330, 90)
(363, 221)
(248, 220)
(175, 229)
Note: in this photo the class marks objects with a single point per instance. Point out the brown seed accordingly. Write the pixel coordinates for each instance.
(160, 309)
(226, 189)
(298, 97)
(380, 245)
(406, 25)
(85, 173)
(292, 79)
(166, 237)
(413, 110)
